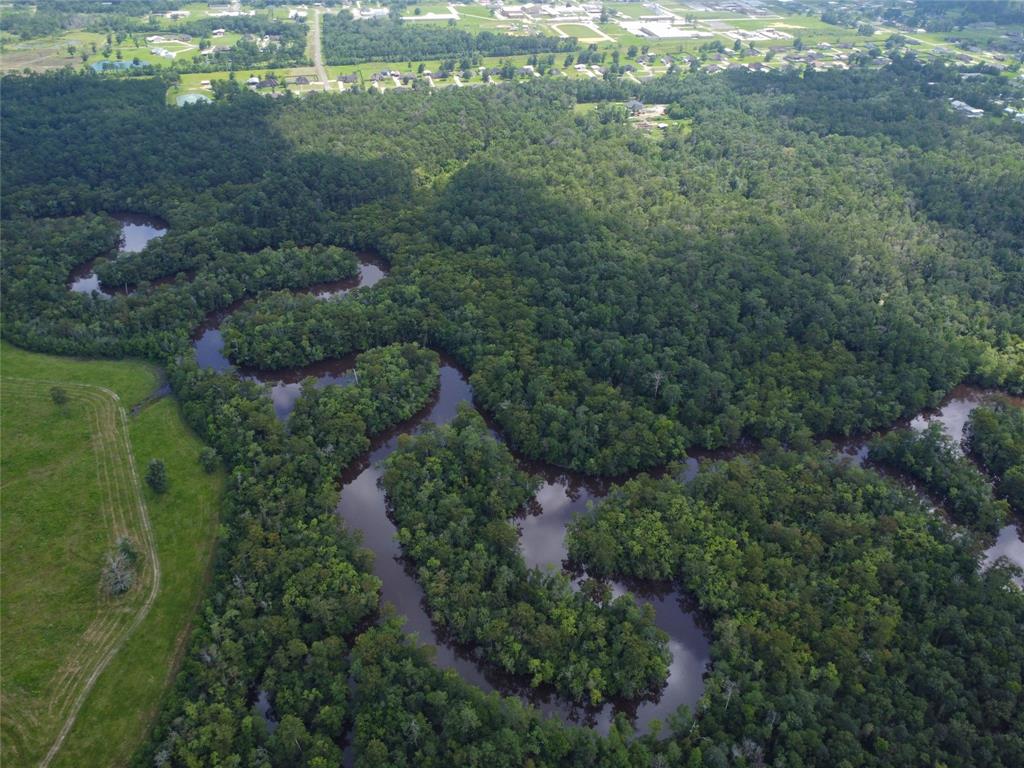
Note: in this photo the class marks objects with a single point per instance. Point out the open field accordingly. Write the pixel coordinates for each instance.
(70, 491)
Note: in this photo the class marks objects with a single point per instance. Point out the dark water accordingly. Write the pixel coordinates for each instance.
(371, 271)
(136, 230)
(363, 507)
(286, 386)
(266, 710)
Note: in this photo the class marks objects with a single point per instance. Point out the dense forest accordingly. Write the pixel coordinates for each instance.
(995, 438)
(812, 255)
(350, 41)
(850, 625)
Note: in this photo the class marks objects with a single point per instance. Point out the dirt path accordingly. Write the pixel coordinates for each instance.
(314, 47)
(124, 512)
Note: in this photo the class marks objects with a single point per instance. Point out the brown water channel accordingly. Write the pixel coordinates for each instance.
(136, 230)
(363, 507)
(286, 385)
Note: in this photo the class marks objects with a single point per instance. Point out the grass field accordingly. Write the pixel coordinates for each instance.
(68, 494)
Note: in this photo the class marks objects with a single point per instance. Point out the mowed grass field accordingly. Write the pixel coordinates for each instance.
(67, 494)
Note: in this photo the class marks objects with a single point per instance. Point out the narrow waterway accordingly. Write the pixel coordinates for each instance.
(363, 507)
(286, 385)
(136, 230)
(952, 414)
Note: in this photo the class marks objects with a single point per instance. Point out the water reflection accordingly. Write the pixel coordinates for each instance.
(286, 385)
(952, 414)
(363, 507)
(136, 230)
(1010, 545)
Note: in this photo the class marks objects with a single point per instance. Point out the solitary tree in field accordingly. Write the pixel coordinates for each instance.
(156, 475)
(60, 397)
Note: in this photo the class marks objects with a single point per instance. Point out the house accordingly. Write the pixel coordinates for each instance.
(302, 80)
(218, 33)
(253, 81)
(348, 79)
(635, 107)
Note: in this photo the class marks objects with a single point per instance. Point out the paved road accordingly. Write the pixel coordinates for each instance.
(314, 47)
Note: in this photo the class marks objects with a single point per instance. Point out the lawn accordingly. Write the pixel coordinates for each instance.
(579, 31)
(629, 10)
(68, 493)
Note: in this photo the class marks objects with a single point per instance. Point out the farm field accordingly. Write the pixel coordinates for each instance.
(72, 656)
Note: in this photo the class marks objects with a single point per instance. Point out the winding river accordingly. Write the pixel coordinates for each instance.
(363, 507)
(286, 385)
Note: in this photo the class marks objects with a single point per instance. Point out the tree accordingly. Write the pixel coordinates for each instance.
(59, 397)
(156, 475)
(208, 459)
(737, 45)
(119, 571)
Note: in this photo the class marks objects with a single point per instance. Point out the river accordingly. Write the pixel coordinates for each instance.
(286, 386)
(363, 507)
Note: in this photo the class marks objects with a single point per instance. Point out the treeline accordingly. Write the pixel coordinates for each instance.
(995, 438)
(931, 458)
(291, 588)
(849, 625)
(348, 41)
(453, 491)
(28, 24)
